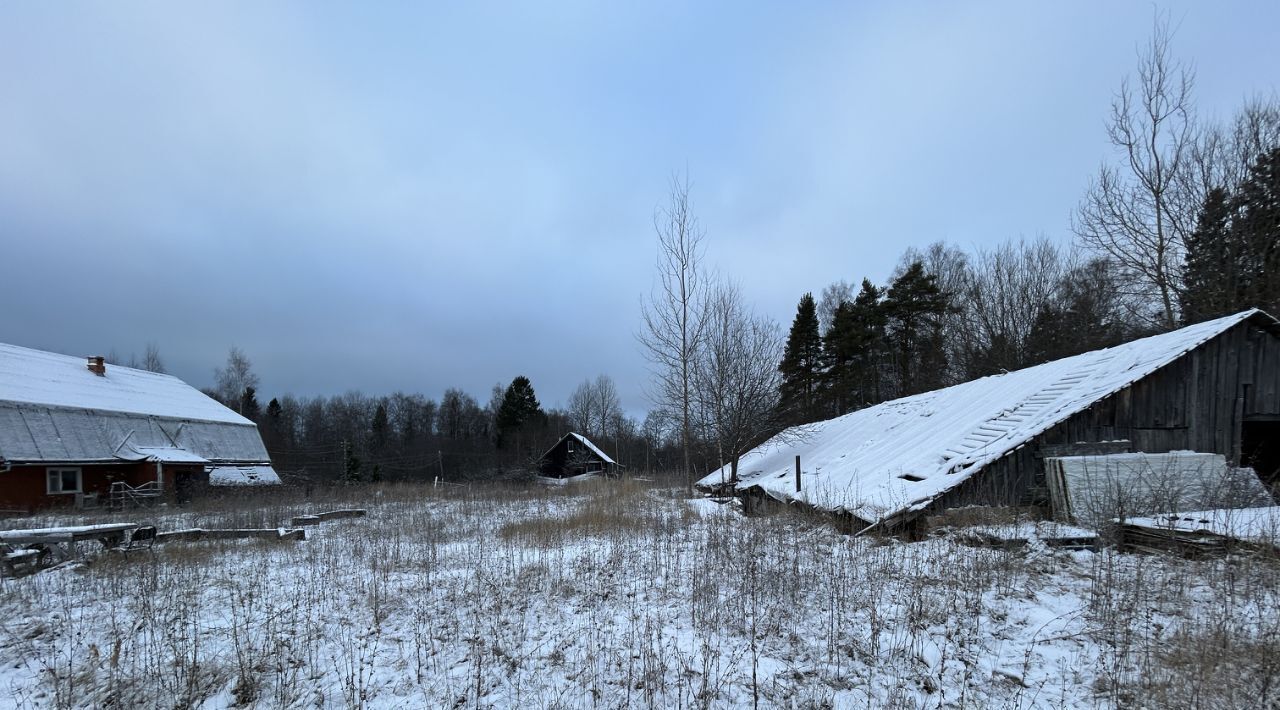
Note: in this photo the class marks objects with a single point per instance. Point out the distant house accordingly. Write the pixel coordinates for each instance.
(79, 433)
(1213, 387)
(574, 455)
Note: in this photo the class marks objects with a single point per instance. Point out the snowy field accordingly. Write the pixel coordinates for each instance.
(621, 596)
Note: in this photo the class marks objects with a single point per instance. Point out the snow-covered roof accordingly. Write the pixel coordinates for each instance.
(54, 409)
(36, 377)
(595, 449)
(899, 456)
(167, 454)
(260, 475)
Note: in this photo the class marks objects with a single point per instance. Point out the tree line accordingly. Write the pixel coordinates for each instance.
(355, 437)
(1181, 226)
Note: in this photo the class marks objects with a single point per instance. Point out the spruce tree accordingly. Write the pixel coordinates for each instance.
(1257, 232)
(853, 351)
(801, 366)
(1211, 269)
(350, 464)
(249, 404)
(379, 426)
(519, 406)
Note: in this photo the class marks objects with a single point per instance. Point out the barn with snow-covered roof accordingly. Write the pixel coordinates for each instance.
(77, 432)
(575, 455)
(1213, 387)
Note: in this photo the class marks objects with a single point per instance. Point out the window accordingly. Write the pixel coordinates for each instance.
(64, 480)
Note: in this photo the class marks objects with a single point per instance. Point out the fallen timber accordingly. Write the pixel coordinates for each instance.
(317, 518)
(243, 534)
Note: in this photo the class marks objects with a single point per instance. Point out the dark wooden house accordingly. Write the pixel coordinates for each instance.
(87, 433)
(1213, 387)
(574, 455)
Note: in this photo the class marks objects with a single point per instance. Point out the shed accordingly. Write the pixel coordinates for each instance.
(575, 455)
(1211, 387)
(74, 431)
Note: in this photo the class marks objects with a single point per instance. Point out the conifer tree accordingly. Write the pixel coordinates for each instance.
(853, 352)
(379, 426)
(1211, 269)
(519, 406)
(274, 410)
(350, 464)
(1233, 256)
(801, 366)
(1257, 232)
(249, 404)
(914, 307)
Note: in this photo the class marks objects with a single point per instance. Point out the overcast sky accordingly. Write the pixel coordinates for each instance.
(409, 198)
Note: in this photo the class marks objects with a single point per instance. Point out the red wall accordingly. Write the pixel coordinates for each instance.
(24, 487)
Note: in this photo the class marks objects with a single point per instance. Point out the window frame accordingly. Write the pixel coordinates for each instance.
(62, 470)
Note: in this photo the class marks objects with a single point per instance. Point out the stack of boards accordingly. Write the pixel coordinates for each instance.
(1095, 490)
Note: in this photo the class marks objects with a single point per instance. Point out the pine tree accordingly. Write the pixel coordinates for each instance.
(914, 308)
(801, 366)
(274, 411)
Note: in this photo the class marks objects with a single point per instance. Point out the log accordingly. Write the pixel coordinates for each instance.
(242, 534)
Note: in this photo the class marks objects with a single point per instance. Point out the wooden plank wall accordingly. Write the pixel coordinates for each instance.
(1197, 403)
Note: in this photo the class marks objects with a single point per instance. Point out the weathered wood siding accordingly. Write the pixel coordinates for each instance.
(1198, 402)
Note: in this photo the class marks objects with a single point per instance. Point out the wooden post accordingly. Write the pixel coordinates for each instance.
(797, 473)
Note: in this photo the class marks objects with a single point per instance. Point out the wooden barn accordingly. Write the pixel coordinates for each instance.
(575, 456)
(1213, 387)
(85, 433)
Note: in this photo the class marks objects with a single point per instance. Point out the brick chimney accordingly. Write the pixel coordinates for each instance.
(98, 365)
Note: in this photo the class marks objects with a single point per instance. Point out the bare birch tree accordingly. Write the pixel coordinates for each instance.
(151, 361)
(594, 406)
(1222, 153)
(1137, 212)
(1009, 288)
(671, 334)
(832, 296)
(235, 378)
(737, 377)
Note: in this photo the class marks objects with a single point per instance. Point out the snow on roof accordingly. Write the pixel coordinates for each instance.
(42, 378)
(167, 454)
(595, 449)
(258, 475)
(897, 457)
(54, 409)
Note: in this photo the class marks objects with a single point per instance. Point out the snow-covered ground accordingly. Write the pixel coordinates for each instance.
(612, 595)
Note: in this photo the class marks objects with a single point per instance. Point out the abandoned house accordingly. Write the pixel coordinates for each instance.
(574, 455)
(1213, 387)
(77, 433)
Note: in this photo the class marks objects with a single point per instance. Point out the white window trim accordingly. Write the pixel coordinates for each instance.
(60, 470)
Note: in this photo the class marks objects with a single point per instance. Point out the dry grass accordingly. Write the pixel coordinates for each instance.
(601, 509)
(618, 595)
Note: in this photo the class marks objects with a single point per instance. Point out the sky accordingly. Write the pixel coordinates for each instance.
(416, 196)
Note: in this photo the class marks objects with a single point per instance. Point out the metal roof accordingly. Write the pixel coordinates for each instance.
(36, 377)
(53, 409)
